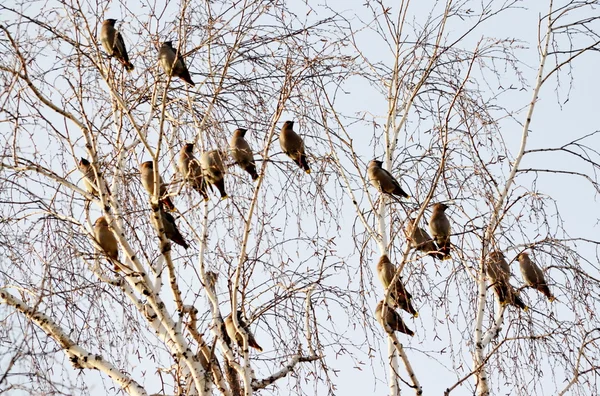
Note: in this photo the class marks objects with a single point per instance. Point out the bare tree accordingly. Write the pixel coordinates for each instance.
(280, 266)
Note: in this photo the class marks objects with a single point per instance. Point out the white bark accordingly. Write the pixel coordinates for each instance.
(481, 343)
(79, 357)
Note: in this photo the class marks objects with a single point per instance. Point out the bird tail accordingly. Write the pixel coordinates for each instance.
(303, 163)
(200, 186)
(252, 342)
(251, 169)
(443, 252)
(545, 290)
(400, 192)
(129, 67)
(185, 76)
(178, 239)
(519, 303)
(501, 291)
(202, 191)
(221, 187)
(168, 203)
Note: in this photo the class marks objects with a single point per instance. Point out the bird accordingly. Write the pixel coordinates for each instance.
(534, 276)
(390, 320)
(173, 66)
(383, 180)
(113, 43)
(400, 296)
(419, 239)
(89, 179)
(190, 169)
(241, 152)
(232, 334)
(169, 227)
(293, 146)
(497, 268)
(147, 176)
(214, 170)
(107, 240)
(508, 295)
(439, 225)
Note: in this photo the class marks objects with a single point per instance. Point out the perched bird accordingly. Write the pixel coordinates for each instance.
(169, 227)
(400, 296)
(147, 176)
(232, 334)
(439, 225)
(508, 295)
(113, 43)
(419, 239)
(190, 169)
(241, 152)
(214, 170)
(497, 268)
(171, 65)
(390, 320)
(107, 241)
(383, 180)
(293, 146)
(211, 279)
(534, 276)
(89, 179)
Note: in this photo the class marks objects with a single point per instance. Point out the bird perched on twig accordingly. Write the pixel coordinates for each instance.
(213, 169)
(190, 169)
(169, 227)
(383, 180)
(232, 334)
(107, 241)
(241, 152)
(400, 296)
(293, 146)
(419, 239)
(390, 320)
(498, 271)
(534, 276)
(497, 268)
(172, 63)
(147, 176)
(113, 43)
(508, 295)
(89, 178)
(439, 225)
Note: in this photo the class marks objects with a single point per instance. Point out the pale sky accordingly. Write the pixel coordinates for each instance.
(555, 122)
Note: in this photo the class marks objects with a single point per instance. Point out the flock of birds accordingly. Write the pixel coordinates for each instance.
(497, 268)
(209, 170)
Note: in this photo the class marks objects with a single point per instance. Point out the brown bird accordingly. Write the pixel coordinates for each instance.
(89, 179)
(439, 225)
(419, 239)
(147, 176)
(400, 296)
(113, 43)
(390, 320)
(169, 227)
(107, 241)
(214, 170)
(293, 146)
(190, 169)
(383, 180)
(534, 276)
(173, 65)
(241, 152)
(232, 334)
(497, 268)
(508, 295)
